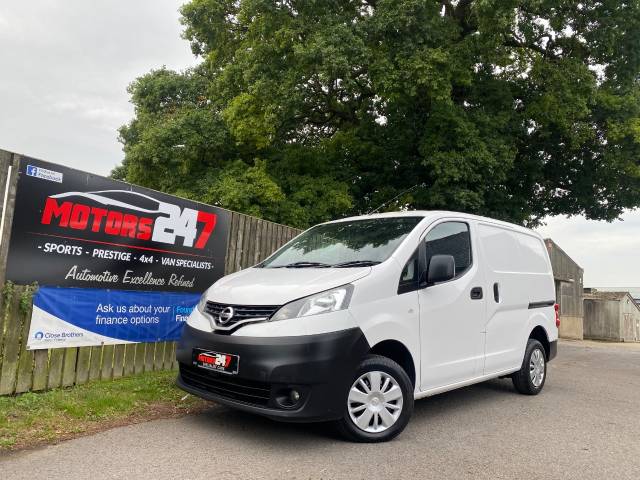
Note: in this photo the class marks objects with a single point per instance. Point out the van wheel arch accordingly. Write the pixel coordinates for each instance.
(397, 352)
(540, 334)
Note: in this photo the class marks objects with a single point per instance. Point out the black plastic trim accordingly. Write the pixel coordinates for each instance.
(321, 367)
(553, 350)
(476, 293)
(411, 286)
(542, 304)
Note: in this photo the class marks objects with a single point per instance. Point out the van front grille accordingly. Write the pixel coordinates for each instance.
(239, 312)
(228, 386)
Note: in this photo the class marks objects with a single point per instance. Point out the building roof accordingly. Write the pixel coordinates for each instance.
(551, 246)
(633, 291)
(592, 294)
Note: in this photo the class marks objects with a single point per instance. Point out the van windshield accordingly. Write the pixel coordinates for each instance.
(356, 243)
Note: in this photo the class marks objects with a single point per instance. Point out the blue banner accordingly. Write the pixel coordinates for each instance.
(66, 317)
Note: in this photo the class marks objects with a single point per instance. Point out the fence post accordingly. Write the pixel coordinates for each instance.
(11, 352)
(82, 368)
(40, 369)
(24, 381)
(10, 168)
(118, 360)
(69, 367)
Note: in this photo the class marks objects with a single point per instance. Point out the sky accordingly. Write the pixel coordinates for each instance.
(64, 71)
(609, 253)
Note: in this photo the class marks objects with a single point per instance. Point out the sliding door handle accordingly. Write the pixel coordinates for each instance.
(476, 293)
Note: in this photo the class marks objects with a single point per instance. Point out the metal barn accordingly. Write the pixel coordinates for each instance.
(613, 316)
(567, 275)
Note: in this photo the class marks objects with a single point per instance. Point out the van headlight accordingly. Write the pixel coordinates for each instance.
(199, 318)
(202, 305)
(323, 302)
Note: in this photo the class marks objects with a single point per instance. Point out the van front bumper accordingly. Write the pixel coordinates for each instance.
(319, 367)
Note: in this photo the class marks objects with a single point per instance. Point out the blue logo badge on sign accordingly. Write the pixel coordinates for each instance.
(44, 173)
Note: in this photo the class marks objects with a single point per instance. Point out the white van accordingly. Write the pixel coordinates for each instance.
(354, 319)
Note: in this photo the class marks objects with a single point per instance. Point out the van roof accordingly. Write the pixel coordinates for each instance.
(436, 214)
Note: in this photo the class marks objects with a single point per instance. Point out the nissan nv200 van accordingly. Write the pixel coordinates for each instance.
(353, 320)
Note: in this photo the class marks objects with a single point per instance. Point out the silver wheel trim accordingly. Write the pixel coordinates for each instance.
(536, 367)
(375, 402)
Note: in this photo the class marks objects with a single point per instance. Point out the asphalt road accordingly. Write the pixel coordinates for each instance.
(585, 424)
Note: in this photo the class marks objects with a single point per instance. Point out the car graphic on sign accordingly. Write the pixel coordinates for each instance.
(124, 199)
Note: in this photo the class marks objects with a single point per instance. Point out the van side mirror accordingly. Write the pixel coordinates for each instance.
(441, 268)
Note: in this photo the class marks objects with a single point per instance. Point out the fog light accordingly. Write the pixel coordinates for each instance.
(288, 397)
(294, 396)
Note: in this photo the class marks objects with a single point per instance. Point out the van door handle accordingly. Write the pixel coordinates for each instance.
(496, 292)
(476, 293)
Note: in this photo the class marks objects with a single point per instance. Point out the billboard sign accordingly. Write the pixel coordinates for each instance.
(75, 229)
(115, 263)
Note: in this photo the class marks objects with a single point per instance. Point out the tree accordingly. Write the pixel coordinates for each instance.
(306, 110)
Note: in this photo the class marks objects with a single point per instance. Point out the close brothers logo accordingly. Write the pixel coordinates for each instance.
(60, 336)
(102, 212)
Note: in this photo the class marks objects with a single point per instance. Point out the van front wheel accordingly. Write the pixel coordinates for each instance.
(530, 379)
(379, 402)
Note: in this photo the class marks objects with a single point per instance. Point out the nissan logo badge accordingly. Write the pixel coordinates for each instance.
(225, 316)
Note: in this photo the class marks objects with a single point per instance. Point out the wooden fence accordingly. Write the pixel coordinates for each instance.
(250, 241)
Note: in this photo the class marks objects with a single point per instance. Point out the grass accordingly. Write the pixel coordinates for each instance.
(33, 419)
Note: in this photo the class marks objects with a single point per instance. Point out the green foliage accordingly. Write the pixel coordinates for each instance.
(26, 298)
(7, 292)
(302, 111)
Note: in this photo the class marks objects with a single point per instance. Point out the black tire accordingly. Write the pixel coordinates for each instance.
(522, 378)
(346, 426)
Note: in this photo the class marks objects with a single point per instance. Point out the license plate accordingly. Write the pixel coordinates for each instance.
(220, 362)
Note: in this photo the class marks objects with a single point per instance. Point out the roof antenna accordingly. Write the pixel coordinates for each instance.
(394, 198)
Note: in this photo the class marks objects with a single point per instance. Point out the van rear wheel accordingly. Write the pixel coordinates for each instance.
(379, 403)
(530, 379)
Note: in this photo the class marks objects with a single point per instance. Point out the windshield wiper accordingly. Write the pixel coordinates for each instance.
(356, 263)
(304, 265)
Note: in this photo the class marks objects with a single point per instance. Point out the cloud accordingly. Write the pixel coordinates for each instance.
(66, 66)
(95, 109)
(608, 252)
